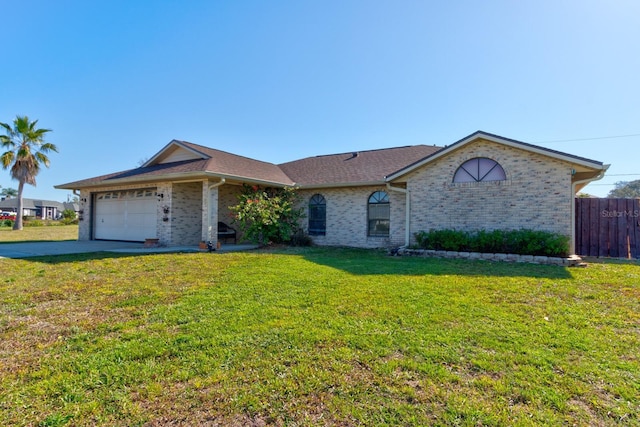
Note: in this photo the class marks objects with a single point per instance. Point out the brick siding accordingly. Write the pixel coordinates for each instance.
(536, 194)
(347, 216)
(186, 213)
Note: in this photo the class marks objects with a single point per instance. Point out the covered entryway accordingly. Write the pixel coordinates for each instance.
(126, 215)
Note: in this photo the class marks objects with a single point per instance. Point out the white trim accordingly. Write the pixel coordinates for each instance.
(175, 177)
(173, 143)
(572, 243)
(498, 140)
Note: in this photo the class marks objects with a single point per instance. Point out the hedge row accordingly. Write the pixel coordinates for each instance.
(39, 223)
(522, 242)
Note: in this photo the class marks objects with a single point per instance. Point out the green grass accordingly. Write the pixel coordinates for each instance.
(316, 336)
(38, 234)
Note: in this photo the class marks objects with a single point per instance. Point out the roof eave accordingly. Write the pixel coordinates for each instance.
(592, 164)
(173, 142)
(341, 184)
(184, 176)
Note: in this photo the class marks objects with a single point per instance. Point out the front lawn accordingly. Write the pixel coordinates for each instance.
(316, 336)
(47, 233)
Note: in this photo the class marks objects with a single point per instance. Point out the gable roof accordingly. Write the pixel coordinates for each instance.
(235, 166)
(182, 160)
(577, 160)
(12, 203)
(369, 166)
(201, 161)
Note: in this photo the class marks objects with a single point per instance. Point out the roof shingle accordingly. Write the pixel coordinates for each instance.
(354, 167)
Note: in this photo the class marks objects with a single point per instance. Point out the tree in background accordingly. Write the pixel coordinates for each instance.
(625, 190)
(26, 151)
(9, 193)
(267, 214)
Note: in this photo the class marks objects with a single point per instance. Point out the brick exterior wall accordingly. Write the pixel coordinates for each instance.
(536, 194)
(186, 213)
(84, 215)
(163, 217)
(347, 216)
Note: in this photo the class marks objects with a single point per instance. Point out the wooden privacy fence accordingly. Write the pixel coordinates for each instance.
(608, 227)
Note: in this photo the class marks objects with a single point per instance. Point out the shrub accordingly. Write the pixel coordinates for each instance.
(267, 214)
(522, 242)
(33, 223)
(443, 240)
(6, 223)
(301, 239)
(69, 214)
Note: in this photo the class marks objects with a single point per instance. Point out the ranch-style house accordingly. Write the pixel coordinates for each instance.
(370, 199)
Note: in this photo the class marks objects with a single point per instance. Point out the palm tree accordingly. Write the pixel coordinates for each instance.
(26, 151)
(9, 192)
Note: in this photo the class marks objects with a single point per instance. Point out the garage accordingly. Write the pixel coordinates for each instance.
(126, 215)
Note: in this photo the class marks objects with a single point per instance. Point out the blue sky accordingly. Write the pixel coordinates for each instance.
(281, 80)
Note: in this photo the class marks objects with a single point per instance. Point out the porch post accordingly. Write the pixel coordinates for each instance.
(210, 210)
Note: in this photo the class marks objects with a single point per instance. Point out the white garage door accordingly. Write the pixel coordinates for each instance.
(126, 215)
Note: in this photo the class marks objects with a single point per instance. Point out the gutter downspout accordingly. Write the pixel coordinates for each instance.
(211, 187)
(407, 211)
(572, 244)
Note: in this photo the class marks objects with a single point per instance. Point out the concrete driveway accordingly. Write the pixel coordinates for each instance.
(32, 249)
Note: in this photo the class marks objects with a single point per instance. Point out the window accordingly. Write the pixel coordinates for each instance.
(479, 169)
(378, 214)
(317, 215)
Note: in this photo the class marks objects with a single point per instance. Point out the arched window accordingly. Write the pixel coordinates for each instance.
(378, 214)
(479, 169)
(317, 215)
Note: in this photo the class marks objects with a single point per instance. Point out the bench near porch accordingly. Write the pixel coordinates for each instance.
(225, 232)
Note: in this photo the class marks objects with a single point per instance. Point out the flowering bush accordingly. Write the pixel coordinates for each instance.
(267, 214)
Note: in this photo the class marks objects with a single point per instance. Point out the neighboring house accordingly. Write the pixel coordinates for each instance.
(375, 198)
(41, 209)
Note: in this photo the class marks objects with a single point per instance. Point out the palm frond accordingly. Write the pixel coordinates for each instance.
(47, 146)
(42, 158)
(26, 149)
(7, 158)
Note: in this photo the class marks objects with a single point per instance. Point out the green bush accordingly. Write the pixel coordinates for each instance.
(522, 242)
(69, 214)
(300, 239)
(267, 215)
(6, 223)
(33, 223)
(444, 240)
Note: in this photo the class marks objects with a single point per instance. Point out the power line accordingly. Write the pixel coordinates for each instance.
(588, 139)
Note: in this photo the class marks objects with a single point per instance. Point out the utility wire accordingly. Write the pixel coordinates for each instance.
(587, 139)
